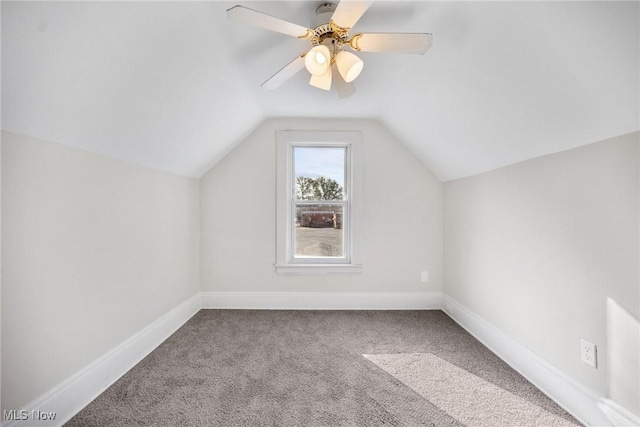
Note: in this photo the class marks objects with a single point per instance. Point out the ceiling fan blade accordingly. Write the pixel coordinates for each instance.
(252, 17)
(285, 73)
(343, 88)
(348, 12)
(416, 43)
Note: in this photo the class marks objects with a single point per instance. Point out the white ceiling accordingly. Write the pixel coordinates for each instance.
(175, 85)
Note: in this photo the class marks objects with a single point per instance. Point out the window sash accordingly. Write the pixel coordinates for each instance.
(293, 201)
(346, 246)
(346, 165)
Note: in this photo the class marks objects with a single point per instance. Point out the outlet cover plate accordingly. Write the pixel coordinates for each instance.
(425, 276)
(589, 353)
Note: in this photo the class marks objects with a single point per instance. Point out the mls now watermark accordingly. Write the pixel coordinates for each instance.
(23, 415)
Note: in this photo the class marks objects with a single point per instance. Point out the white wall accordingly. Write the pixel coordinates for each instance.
(0, 273)
(93, 250)
(547, 251)
(402, 217)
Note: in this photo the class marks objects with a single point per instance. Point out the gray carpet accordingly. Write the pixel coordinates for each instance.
(321, 368)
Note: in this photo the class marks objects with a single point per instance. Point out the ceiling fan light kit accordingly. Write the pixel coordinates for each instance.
(318, 60)
(322, 81)
(329, 38)
(348, 65)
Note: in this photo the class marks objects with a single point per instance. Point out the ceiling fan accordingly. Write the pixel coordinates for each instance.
(327, 60)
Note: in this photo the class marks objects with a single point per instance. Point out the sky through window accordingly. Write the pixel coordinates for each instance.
(313, 162)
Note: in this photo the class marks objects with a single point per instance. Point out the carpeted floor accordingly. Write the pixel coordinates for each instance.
(321, 368)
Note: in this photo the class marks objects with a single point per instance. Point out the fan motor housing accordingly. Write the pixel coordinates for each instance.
(323, 32)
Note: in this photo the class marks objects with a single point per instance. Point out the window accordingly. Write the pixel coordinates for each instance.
(318, 202)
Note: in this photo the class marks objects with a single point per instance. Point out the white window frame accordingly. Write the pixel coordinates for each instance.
(286, 262)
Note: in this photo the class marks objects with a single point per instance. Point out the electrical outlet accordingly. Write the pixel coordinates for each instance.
(589, 353)
(425, 276)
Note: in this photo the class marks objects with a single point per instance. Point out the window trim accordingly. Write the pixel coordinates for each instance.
(286, 263)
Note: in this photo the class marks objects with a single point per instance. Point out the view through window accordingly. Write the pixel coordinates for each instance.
(319, 202)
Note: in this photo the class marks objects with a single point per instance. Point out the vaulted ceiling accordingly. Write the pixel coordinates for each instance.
(176, 85)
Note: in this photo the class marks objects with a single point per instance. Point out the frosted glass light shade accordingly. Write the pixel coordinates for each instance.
(349, 65)
(323, 81)
(317, 60)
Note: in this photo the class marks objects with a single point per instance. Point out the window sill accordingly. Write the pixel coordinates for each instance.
(319, 269)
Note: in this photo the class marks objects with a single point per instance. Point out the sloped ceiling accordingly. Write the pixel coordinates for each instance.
(175, 85)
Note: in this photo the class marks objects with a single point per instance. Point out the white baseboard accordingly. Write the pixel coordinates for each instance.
(73, 394)
(617, 414)
(588, 406)
(323, 300)
(77, 391)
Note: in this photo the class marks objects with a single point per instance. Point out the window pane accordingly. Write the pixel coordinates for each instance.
(319, 173)
(319, 231)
